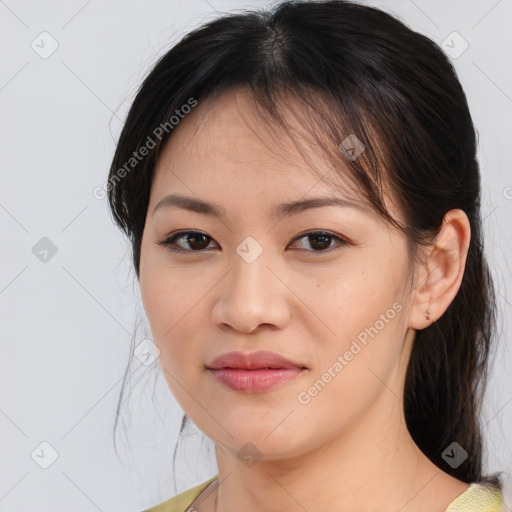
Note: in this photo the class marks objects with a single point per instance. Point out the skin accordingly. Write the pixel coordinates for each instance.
(306, 305)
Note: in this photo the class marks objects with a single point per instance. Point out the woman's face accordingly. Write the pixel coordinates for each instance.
(336, 304)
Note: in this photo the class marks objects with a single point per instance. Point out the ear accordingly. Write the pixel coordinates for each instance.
(440, 274)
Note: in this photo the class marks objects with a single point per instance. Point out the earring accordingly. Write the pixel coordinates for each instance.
(428, 314)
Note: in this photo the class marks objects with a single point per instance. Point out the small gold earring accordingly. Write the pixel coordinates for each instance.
(428, 314)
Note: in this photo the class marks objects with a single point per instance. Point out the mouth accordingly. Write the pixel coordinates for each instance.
(262, 360)
(254, 372)
(258, 368)
(256, 379)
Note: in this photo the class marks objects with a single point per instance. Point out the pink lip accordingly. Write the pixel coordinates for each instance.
(257, 371)
(250, 381)
(252, 361)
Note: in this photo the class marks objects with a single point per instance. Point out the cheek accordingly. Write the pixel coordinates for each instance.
(170, 308)
(169, 303)
(168, 294)
(363, 312)
(177, 306)
(172, 313)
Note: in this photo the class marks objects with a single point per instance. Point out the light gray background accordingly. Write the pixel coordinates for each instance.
(66, 323)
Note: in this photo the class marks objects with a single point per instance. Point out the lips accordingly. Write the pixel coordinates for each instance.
(254, 372)
(253, 361)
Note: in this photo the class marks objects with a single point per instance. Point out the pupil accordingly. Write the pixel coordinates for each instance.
(193, 239)
(323, 239)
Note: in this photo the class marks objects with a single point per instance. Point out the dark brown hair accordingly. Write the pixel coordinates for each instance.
(358, 71)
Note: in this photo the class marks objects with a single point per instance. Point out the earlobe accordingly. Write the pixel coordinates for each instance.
(442, 270)
(422, 314)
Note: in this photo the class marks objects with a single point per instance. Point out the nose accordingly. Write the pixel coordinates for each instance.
(252, 296)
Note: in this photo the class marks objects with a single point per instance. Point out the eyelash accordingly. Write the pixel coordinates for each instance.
(169, 243)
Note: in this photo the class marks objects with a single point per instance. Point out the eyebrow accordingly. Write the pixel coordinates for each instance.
(291, 208)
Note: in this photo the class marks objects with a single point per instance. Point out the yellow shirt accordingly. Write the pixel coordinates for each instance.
(477, 498)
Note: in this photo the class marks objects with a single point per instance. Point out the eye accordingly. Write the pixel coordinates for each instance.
(320, 241)
(196, 240)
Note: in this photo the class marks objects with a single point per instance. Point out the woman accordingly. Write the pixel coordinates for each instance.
(302, 198)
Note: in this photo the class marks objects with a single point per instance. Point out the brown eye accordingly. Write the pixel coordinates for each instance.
(195, 240)
(321, 241)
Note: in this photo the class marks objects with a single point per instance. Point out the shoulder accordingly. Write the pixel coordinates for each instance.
(478, 497)
(182, 501)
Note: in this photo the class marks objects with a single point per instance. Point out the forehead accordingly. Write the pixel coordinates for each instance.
(231, 141)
